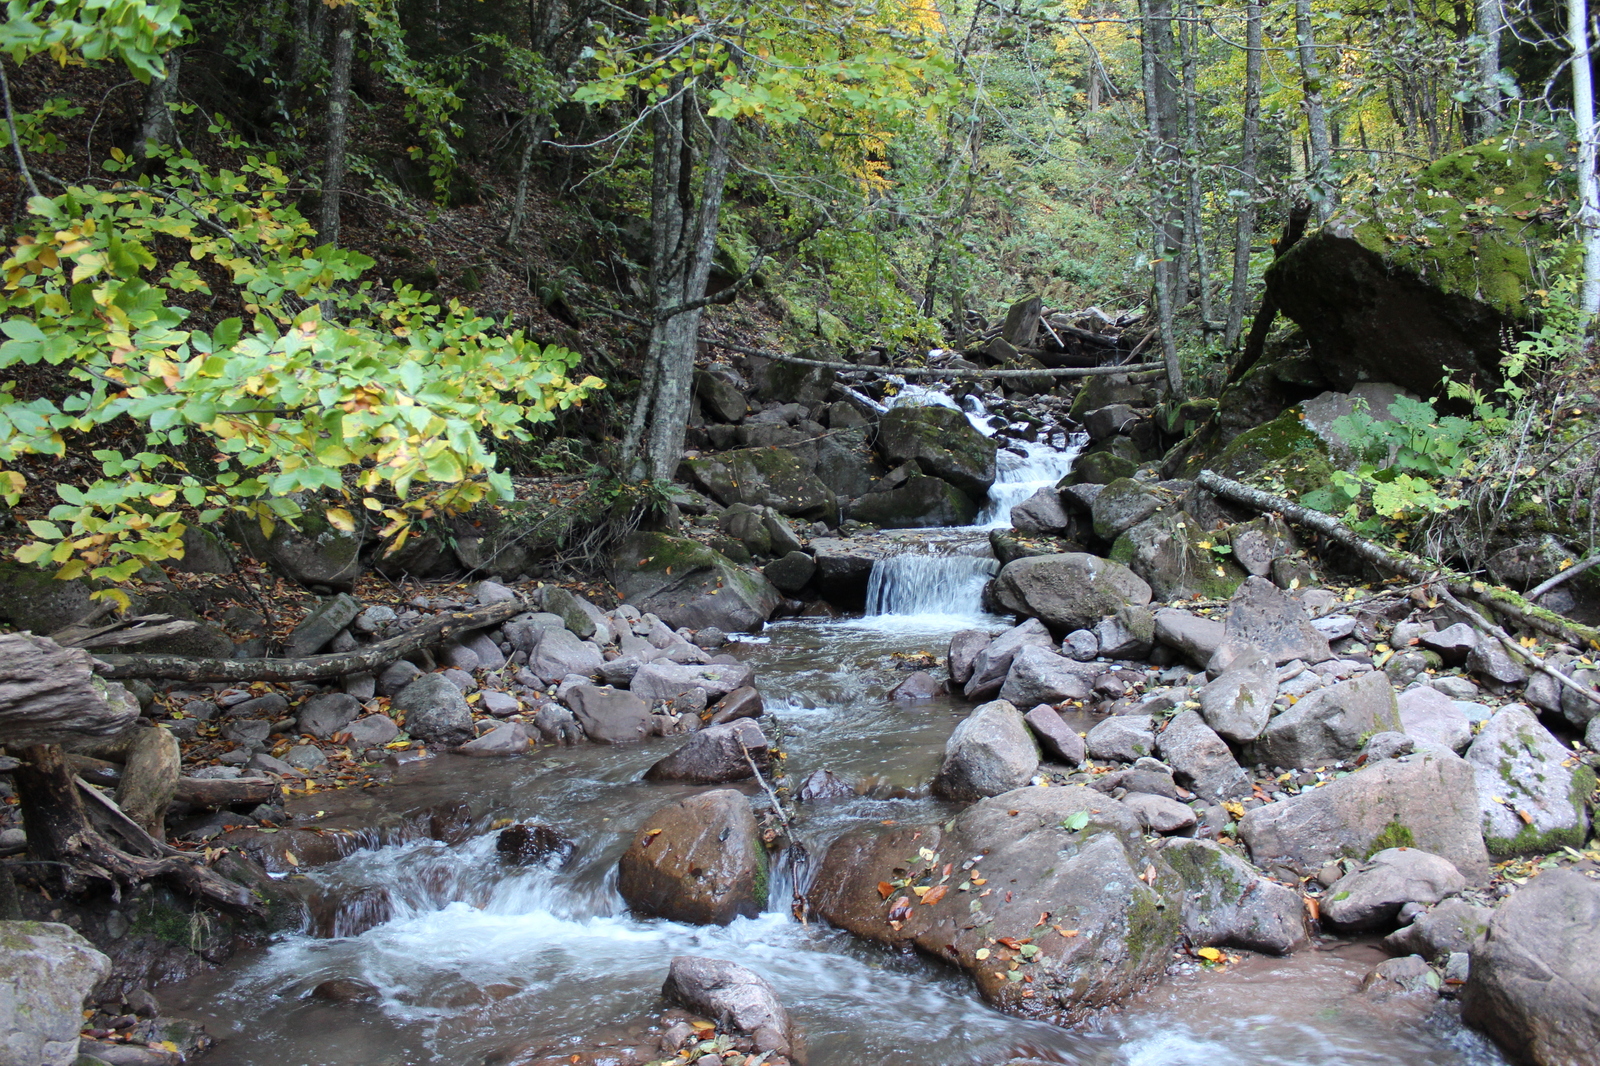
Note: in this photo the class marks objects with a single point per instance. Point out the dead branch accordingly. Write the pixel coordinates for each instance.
(1478, 622)
(936, 372)
(125, 631)
(1566, 575)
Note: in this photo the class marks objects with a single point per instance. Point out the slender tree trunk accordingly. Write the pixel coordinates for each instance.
(337, 149)
(1319, 153)
(1583, 116)
(1486, 115)
(1194, 215)
(300, 56)
(534, 133)
(1245, 225)
(1166, 209)
(156, 130)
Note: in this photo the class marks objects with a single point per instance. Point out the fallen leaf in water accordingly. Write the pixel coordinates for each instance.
(1013, 814)
(901, 910)
(885, 889)
(1008, 941)
(1068, 933)
(980, 880)
(288, 857)
(934, 895)
(1211, 954)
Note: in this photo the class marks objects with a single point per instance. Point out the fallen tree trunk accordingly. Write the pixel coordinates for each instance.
(1502, 601)
(935, 372)
(48, 694)
(195, 791)
(313, 667)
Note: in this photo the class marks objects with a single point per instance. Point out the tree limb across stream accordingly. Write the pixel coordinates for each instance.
(935, 372)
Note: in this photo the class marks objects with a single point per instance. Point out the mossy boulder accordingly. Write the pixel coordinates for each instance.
(1419, 284)
(688, 584)
(942, 443)
(309, 551)
(33, 599)
(918, 502)
(1174, 555)
(765, 477)
(1532, 802)
(1280, 455)
(794, 382)
(1099, 468)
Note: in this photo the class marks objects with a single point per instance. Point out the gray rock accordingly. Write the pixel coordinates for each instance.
(1452, 926)
(1453, 643)
(824, 786)
(992, 664)
(1068, 591)
(305, 757)
(792, 572)
(561, 652)
(716, 755)
(1399, 977)
(1591, 736)
(1123, 504)
(1194, 637)
(1128, 634)
(1331, 723)
(743, 702)
(557, 725)
(735, 998)
(323, 624)
(609, 716)
(1123, 737)
(990, 752)
(434, 711)
(1530, 801)
(963, 653)
(1535, 980)
(1039, 675)
(507, 738)
(397, 676)
(1262, 614)
(314, 555)
(1456, 687)
(918, 685)
(1335, 626)
(1146, 775)
(247, 731)
(373, 731)
(271, 705)
(620, 671)
(499, 704)
(1426, 800)
(263, 761)
(1173, 553)
(943, 443)
(359, 687)
(666, 681)
(1227, 903)
(1238, 704)
(1493, 663)
(1199, 757)
(1258, 543)
(487, 652)
(458, 677)
(1081, 645)
(1578, 709)
(487, 592)
(1160, 814)
(323, 716)
(1056, 737)
(1040, 513)
(47, 971)
(1371, 896)
(1388, 745)
(1429, 715)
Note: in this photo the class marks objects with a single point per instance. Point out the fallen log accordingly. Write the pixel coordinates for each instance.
(1515, 650)
(195, 791)
(1500, 600)
(48, 694)
(134, 630)
(935, 372)
(313, 667)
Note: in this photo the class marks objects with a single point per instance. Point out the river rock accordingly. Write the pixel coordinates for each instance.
(531, 844)
(325, 715)
(325, 622)
(963, 653)
(1238, 704)
(1263, 615)
(1493, 663)
(791, 572)
(824, 786)
(1425, 800)
(434, 711)
(667, 681)
(1330, 723)
(992, 663)
(1123, 504)
(687, 584)
(917, 502)
(1040, 513)
(1128, 634)
(1123, 737)
(373, 731)
(1166, 551)
(47, 970)
(699, 860)
(507, 738)
(1371, 896)
(1160, 814)
(742, 702)
(715, 755)
(609, 716)
(1193, 636)
(943, 443)
(1429, 715)
(1228, 903)
(1452, 926)
(1058, 739)
(1531, 801)
(990, 752)
(397, 676)
(1126, 923)
(1068, 591)
(1039, 675)
(1535, 980)
(561, 652)
(737, 998)
(1199, 757)
(918, 685)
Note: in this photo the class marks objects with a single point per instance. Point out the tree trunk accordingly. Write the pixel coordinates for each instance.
(1194, 214)
(532, 135)
(1319, 155)
(336, 150)
(48, 695)
(1255, 344)
(156, 130)
(1481, 119)
(1583, 117)
(1166, 209)
(151, 764)
(1245, 225)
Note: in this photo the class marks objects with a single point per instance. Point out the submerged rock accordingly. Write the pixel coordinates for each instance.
(533, 844)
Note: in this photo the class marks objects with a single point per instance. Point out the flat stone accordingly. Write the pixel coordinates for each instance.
(323, 716)
(608, 716)
(1160, 814)
(1262, 614)
(373, 731)
(1123, 737)
(1194, 637)
(507, 738)
(1329, 724)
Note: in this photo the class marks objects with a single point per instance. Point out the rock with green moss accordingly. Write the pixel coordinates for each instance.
(942, 442)
(765, 477)
(47, 970)
(1280, 455)
(688, 584)
(1171, 552)
(310, 551)
(34, 600)
(1123, 504)
(1228, 903)
(1425, 800)
(1104, 389)
(1099, 468)
(1073, 590)
(1420, 283)
(1530, 800)
(919, 502)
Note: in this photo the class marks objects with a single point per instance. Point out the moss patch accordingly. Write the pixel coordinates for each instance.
(1393, 835)
(1283, 453)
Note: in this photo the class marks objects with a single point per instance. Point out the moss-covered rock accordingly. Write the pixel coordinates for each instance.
(688, 584)
(917, 503)
(943, 443)
(1099, 468)
(1173, 554)
(33, 599)
(310, 552)
(1531, 800)
(765, 477)
(1282, 454)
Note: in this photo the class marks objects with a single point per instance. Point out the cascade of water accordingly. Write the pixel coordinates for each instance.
(1020, 474)
(950, 585)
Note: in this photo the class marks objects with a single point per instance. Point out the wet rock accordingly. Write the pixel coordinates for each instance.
(1451, 926)
(1535, 981)
(1371, 896)
(1038, 675)
(609, 716)
(1426, 801)
(992, 663)
(736, 998)
(346, 990)
(823, 786)
(918, 502)
(963, 653)
(688, 584)
(1228, 903)
(1068, 591)
(943, 443)
(1530, 800)
(507, 738)
(560, 653)
(434, 711)
(743, 702)
(1408, 975)
(1193, 636)
(1123, 737)
(557, 725)
(1238, 704)
(1128, 634)
(1040, 513)
(918, 685)
(698, 860)
(1126, 923)
(991, 751)
(791, 572)
(534, 845)
(1160, 814)
(1202, 759)
(1261, 614)
(715, 755)
(305, 757)
(325, 715)
(1330, 723)
(1056, 737)
(47, 971)
(319, 627)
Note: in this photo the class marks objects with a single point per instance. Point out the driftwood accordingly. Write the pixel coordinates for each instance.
(935, 372)
(195, 791)
(1500, 600)
(48, 695)
(1566, 575)
(122, 632)
(313, 667)
(151, 764)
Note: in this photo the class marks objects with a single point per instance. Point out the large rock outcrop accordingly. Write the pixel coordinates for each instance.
(46, 971)
(685, 583)
(765, 477)
(942, 443)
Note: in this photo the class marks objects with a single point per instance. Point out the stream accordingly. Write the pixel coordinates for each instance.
(479, 957)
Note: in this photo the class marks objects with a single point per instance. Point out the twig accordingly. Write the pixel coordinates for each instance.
(1565, 575)
(1477, 620)
(16, 142)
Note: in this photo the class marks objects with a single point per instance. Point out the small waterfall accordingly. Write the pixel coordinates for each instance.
(1018, 476)
(950, 585)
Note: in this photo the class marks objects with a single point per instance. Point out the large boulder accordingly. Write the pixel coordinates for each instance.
(1264, 616)
(1425, 800)
(687, 584)
(735, 998)
(715, 755)
(1331, 723)
(1238, 704)
(1372, 895)
(433, 710)
(1531, 800)
(47, 970)
(1112, 905)
(699, 860)
(1535, 979)
(608, 716)
(561, 653)
(991, 663)
(310, 552)
(1039, 675)
(1171, 552)
(942, 442)
(765, 477)
(1227, 902)
(1068, 591)
(1123, 504)
(1202, 759)
(990, 752)
(921, 501)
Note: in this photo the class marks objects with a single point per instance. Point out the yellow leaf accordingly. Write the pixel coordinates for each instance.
(289, 857)
(398, 744)
(164, 499)
(341, 520)
(981, 954)
(1211, 954)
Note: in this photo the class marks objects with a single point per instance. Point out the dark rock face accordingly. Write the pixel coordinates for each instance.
(943, 443)
(1125, 923)
(314, 555)
(921, 501)
(736, 997)
(1264, 616)
(765, 477)
(1535, 980)
(529, 845)
(688, 585)
(699, 860)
